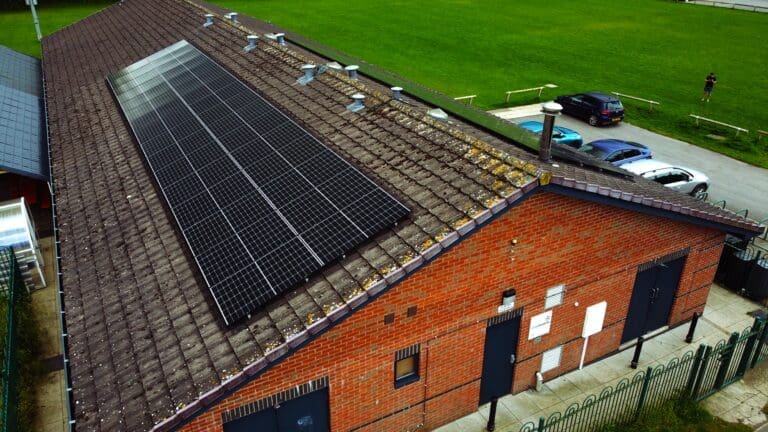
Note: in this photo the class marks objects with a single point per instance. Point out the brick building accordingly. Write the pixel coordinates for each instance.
(483, 284)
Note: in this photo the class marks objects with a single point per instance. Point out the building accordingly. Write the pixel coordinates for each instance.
(484, 282)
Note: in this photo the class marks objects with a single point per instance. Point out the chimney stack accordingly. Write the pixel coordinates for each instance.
(208, 20)
(352, 71)
(280, 38)
(397, 93)
(253, 40)
(550, 110)
(358, 104)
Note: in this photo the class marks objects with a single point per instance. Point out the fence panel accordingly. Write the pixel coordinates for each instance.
(11, 288)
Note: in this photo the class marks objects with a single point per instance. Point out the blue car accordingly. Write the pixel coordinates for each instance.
(617, 152)
(560, 134)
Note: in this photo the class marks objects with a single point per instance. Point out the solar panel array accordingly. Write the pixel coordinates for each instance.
(261, 202)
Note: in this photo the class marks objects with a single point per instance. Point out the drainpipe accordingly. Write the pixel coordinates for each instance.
(550, 110)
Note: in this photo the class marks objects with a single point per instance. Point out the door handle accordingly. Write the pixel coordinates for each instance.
(512, 359)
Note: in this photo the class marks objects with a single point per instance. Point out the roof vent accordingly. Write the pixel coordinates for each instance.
(358, 104)
(438, 114)
(208, 20)
(397, 93)
(232, 16)
(280, 38)
(253, 40)
(352, 71)
(334, 66)
(309, 74)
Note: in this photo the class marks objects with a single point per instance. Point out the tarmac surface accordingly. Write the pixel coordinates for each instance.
(741, 185)
(741, 402)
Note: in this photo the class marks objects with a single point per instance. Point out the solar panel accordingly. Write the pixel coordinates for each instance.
(261, 202)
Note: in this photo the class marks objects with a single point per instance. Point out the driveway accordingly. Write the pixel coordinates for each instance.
(741, 185)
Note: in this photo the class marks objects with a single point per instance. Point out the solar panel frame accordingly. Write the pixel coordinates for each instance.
(259, 200)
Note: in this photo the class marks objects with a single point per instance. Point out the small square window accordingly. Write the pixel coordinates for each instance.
(555, 296)
(406, 368)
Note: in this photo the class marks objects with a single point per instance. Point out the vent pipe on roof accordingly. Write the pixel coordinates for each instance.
(232, 16)
(208, 20)
(358, 104)
(253, 40)
(280, 38)
(550, 110)
(352, 71)
(397, 93)
(309, 74)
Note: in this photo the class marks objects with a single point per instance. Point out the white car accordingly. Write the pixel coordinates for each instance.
(672, 176)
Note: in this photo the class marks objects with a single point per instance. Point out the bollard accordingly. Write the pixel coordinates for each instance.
(636, 357)
(692, 329)
(492, 415)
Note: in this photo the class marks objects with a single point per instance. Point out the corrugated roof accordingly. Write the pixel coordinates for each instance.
(145, 340)
(23, 147)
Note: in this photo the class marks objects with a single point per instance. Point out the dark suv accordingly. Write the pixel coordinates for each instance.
(594, 107)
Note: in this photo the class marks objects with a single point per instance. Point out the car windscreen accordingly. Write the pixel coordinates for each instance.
(594, 151)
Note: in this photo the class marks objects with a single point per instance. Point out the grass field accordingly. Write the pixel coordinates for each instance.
(18, 32)
(654, 49)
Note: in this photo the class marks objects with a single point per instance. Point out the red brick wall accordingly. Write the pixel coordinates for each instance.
(593, 249)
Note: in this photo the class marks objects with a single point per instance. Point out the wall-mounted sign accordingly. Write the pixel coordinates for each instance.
(540, 325)
(593, 319)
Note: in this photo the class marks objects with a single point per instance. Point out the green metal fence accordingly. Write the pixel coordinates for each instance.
(11, 290)
(695, 375)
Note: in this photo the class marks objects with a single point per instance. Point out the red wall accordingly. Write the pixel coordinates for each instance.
(593, 249)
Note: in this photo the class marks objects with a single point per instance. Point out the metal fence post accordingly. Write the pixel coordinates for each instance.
(760, 344)
(541, 425)
(692, 329)
(746, 355)
(702, 371)
(695, 366)
(643, 392)
(725, 360)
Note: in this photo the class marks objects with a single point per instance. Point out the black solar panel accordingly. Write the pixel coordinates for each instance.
(262, 203)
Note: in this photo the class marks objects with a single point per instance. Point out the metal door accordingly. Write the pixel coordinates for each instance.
(499, 359)
(308, 413)
(652, 298)
(663, 295)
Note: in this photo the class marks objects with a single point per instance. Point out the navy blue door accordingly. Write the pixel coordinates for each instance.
(499, 359)
(308, 413)
(652, 298)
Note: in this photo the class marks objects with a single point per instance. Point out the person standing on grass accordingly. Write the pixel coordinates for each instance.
(709, 84)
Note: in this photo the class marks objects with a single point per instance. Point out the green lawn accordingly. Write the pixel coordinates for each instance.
(659, 50)
(655, 49)
(18, 32)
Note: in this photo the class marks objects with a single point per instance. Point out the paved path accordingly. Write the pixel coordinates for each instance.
(725, 312)
(741, 185)
(751, 5)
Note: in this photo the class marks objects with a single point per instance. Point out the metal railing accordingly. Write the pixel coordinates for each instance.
(648, 101)
(470, 97)
(13, 289)
(738, 129)
(694, 375)
(539, 88)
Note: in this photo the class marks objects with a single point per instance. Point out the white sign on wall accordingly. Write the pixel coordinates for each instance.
(540, 325)
(593, 319)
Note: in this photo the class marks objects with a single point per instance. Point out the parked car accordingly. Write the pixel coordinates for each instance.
(617, 152)
(594, 107)
(560, 134)
(672, 176)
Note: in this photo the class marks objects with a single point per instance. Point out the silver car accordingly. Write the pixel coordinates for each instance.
(672, 176)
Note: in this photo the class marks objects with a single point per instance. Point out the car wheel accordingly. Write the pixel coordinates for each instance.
(699, 190)
(592, 120)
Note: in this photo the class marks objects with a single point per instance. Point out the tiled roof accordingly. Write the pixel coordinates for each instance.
(144, 337)
(22, 135)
